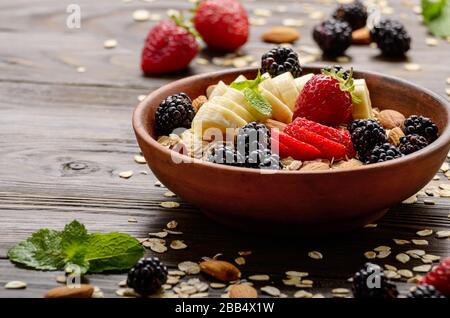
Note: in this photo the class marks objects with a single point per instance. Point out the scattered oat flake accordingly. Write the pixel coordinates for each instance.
(293, 22)
(390, 274)
(420, 242)
(340, 291)
(414, 280)
(445, 167)
(175, 272)
(110, 44)
(442, 234)
(15, 284)
(61, 279)
(270, 290)
(303, 294)
(217, 285)
(382, 248)
(431, 41)
(189, 267)
(262, 12)
(350, 279)
(244, 253)
(402, 258)
(262, 277)
(401, 242)
(422, 268)
(415, 253)
(390, 267)
(170, 204)
(159, 184)
(370, 254)
(172, 225)
(383, 254)
(307, 282)
(122, 283)
(316, 15)
(178, 245)
(140, 159)
(447, 91)
(426, 232)
(239, 260)
(199, 295)
(412, 67)
(296, 274)
(126, 174)
(158, 234)
(173, 232)
(405, 273)
(431, 257)
(132, 220)
(315, 255)
(155, 246)
(141, 15)
(81, 69)
(126, 292)
(172, 280)
(410, 200)
(201, 61)
(257, 21)
(428, 202)
(370, 225)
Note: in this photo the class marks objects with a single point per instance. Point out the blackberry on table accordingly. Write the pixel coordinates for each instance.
(391, 37)
(333, 36)
(338, 68)
(366, 134)
(280, 60)
(354, 13)
(174, 112)
(370, 282)
(412, 143)
(421, 126)
(425, 291)
(382, 153)
(147, 276)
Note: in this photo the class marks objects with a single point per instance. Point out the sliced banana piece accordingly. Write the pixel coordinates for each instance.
(302, 80)
(269, 85)
(234, 107)
(240, 78)
(288, 90)
(280, 111)
(363, 109)
(220, 89)
(239, 98)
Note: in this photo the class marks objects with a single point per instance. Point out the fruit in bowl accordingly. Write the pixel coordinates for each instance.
(325, 150)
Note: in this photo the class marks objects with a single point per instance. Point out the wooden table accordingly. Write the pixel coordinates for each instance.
(66, 135)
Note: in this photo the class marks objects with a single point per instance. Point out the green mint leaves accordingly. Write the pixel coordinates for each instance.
(436, 15)
(346, 85)
(75, 248)
(251, 92)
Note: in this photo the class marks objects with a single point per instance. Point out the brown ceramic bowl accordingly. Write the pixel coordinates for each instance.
(318, 201)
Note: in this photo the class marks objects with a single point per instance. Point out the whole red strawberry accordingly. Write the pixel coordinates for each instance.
(439, 277)
(168, 48)
(223, 24)
(326, 98)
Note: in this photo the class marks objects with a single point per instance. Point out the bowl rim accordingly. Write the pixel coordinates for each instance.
(442, 141)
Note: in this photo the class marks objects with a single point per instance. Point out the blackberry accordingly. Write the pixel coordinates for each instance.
(382, 153)
(333, 37)
(366, 134)
(280, 60)
(391, 37)
(354, 13)
(223, 154)
(425, 291)
(175, 111)
(147, 276)
(370, 282)
(338, 68)
(412, 143)
(421, 126)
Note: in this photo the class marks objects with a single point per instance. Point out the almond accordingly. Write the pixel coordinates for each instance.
(83, 291)
(198, 102)
(280, 34)
(394, 136)
(220, 270)
(361, 36)
(390, 119)
(243, 291)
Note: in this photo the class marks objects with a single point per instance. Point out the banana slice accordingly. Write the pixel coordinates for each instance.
(280, 111)
(287, 88)
(219, 90)
(269, 85)
(362, 110)
(301, 81)
(236, 108)
(239, 98)
(240, 78)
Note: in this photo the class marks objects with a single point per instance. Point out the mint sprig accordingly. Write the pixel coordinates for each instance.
(74, 247)
(436, 15)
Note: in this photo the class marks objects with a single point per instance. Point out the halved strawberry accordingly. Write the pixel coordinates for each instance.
(283, 150)
(328, 148)
(293, 147)
(341, 136)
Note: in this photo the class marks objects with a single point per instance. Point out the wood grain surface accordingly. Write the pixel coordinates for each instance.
(65, 136)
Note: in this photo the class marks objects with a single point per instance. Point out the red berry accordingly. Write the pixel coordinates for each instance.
(168, 48)
(328, 148)
(341, 136)
(223, 24)
(323, 101)
(439, 277)
(294, 148)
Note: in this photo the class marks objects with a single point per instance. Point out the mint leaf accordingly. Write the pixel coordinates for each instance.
(40, 251)
(112, 251)
(259, 103)
(252, 84)
(431, 9)
(440, 26)
(74, 245)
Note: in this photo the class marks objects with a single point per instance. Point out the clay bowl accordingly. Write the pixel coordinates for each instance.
(309, 202)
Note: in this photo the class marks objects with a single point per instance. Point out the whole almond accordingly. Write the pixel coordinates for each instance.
(243, 291)
(361, 36)
(394, 136)
(83, 291)
(390, 119)
(220, 270)
(280, 34)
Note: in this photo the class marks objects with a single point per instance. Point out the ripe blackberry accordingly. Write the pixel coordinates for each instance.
(223, 154)
(421, 126)
(412, 143)
(338, 68)
(391, 37)
(333, 37)
(425, 291)
(280, 60)
(175, 111)
(147, 276)
(370, 282)
(354, 13)
(382, 153)
(366, 134)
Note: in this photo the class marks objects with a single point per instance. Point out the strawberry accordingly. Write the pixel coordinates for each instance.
(327, 98)
(329, 149)
(341, 136)
(223, 24)
(169, 47)
(283, 150)
(439, 277)
(294, 148)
